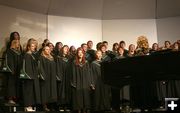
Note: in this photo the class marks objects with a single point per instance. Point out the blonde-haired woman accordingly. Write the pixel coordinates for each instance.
(48, 85)
(31, 93)
(13, 60)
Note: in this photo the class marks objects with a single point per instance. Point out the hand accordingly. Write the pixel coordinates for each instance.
(92, 87)
(74, 86)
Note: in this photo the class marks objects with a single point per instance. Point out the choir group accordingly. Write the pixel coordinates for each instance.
(64, 76)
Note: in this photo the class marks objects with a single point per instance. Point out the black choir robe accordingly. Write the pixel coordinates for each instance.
(102, 92)
(90, 55)
(31, 88)
(105, 57)
(48, 86)
(63, 84)
(81, 83)
(14, 62)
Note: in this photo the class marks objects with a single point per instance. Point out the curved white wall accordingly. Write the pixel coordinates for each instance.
(74, 31)
(168, 29)
(128, 30)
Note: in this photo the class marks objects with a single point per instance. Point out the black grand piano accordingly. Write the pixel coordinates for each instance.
(164, 65)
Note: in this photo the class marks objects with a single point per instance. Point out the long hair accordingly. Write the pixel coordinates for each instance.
(13, 45)
(71, 50)
(62, 50)
(50, 57)
(154, 45)
(77, 57)
(31, 41)
(114, 45)
(12, 36)
(56, 48)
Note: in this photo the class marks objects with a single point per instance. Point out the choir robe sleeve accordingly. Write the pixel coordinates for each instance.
(91, 77)
(42, 64)
(94, 73)
(10, 57)
(73, 78)
(59, 68)
(30, 66)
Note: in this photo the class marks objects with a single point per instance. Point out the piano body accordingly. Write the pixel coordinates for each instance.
(157, 66)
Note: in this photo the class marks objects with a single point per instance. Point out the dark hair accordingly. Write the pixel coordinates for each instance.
(49, 44)
(121, 42)
(114, 45)
(70, 49)
(89, 41)
(167, 42)
(11, 39)
(45, 42)
(177, 44)
(12, 35)
(83, 44)
(56, 46)
(105, 42)
(98, 45)
(155, 44)
(61, 51)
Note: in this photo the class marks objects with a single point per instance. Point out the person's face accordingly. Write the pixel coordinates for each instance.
(176, 46)
(155, 47)
(84, 47)
(16, 36)
(17, 44)
(90, 44)
(51, 47)
(80, 54)
(98, 55)
(167, 45)
(103, 49)
(65, 50)
(106, 45)
(116, 46)
(47, 51)
(32, 47)
(122, 45)
(132, 48)
(121, 51)
(178, 41)
(60, 45)
(73, 48)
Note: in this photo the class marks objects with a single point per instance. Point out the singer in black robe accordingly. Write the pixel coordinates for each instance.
(63, 84)
(101, 98)
(31, 88)
(14, 61)
(48, 86)
(81, 83)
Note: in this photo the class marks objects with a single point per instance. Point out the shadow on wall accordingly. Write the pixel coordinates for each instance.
(3, 48)
(28, 24)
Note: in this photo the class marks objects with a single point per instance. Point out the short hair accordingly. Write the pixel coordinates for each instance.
(121, 42)
(105, 42)
(83, 44)
(89, 41)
